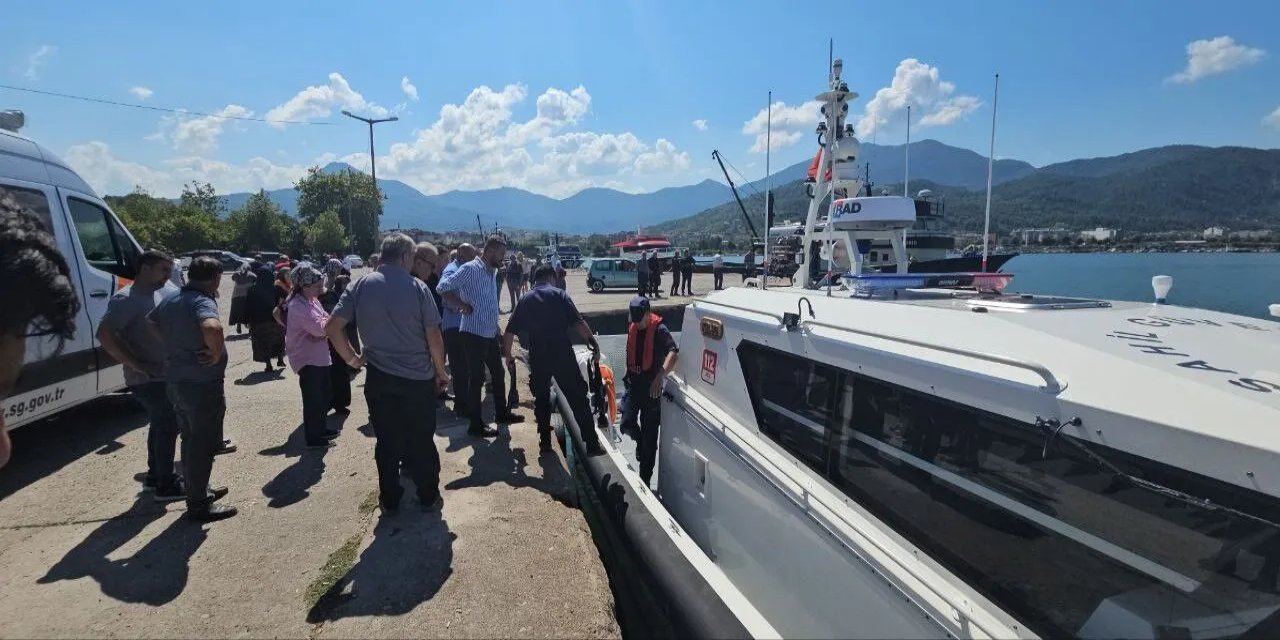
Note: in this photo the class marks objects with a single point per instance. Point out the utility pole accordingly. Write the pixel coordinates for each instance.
(373, 166)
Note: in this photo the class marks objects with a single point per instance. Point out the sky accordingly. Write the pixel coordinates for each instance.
(634, 95)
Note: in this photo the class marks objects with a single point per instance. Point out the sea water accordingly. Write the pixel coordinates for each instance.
(1240, 283)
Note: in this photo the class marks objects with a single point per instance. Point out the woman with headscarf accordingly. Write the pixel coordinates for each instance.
(265, 334)
(308, 348)
(332, 269)
(244, 278)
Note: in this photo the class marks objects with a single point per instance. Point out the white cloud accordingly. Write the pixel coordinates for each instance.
(37, 60)
(700, 125)
(790, 123)
(111, 175)
(318, 101)
(479, 144)
(142, 93)
(198, 135)
(1212, 57)
(919, 85)
(1273, 119)
(408, 88)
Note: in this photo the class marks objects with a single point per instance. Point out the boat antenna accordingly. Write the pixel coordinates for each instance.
(768, 189)
(866, 170)
(478, 224)
(831, 50)
(986, 220)
(906, 170)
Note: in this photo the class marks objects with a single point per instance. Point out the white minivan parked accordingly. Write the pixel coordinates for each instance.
(103, 257)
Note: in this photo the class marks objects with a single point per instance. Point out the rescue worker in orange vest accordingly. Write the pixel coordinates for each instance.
(651, 355)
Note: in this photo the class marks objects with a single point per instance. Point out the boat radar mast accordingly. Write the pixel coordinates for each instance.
(849, 222)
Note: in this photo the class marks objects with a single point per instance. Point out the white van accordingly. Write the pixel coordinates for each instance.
(103, 257)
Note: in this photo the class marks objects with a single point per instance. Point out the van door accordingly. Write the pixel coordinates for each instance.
(55, 373)
(110, 263)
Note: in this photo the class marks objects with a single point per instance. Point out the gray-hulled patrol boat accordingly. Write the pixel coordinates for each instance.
(928, 455)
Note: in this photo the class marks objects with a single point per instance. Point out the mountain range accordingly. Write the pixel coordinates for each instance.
(1179, 186)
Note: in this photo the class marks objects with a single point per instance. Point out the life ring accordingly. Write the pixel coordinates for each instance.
(606, 379)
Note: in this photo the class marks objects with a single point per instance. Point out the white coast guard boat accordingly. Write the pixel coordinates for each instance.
(927, 455)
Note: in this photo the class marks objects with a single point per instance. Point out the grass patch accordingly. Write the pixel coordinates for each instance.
(337, 566)
(370, 503)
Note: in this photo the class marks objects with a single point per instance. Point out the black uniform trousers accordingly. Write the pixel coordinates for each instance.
(402, 412)
(719, 278)
(563, 368)
(649, 411)
(655, 283)
(483, 353)
(457, 369)
(642, 283)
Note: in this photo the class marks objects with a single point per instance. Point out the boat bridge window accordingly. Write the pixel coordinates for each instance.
(1059, 539)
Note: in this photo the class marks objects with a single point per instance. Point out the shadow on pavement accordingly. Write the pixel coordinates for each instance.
(155, 575)
(293, 484)
(494, 460)
(44, 447)
(409, 559)
(259, 377)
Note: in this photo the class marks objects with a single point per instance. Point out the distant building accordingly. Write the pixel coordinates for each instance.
(1252, 234)
(1214, 232)
(1053, 235)
(1101, 234)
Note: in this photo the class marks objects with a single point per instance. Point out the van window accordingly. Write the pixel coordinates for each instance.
(1073, 540)
(106, 245)
(603, 265)
(31, 199)
(626, 265)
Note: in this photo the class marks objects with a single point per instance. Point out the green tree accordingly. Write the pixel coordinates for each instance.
(350, 194)
(259, 225)
(203, 197)
(326, 235)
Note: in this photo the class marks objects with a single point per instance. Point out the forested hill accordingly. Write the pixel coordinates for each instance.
(1170, 188)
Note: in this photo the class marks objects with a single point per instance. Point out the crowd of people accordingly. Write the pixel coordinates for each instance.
(423, 326)
(649, 270)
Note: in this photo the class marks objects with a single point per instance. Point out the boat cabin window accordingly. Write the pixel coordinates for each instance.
(1073, 540)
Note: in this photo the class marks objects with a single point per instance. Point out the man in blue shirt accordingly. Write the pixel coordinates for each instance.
(195, 363)
(543, 319)
(651, 355)
(471, 289)
(399, 328)
(128, 336)
(452, 342)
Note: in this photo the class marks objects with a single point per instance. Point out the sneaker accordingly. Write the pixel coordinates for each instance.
(332, 435)
(216, 493)
(227, 447)
(341, 411)
(212, 513)
(508, 418)
(482, 431)
(327, 444)
(171, 492)
(148, 484)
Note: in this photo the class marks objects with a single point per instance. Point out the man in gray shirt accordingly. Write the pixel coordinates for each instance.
(399, 326)
(126, 334)
(195, 362)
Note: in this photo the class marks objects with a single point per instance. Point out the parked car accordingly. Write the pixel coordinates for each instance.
(353, 261)
(230, 261)
(268, 257)
(611, 273)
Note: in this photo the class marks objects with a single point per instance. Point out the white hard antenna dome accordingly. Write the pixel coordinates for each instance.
(924, 193)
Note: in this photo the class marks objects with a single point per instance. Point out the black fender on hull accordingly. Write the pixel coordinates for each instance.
(692, 607)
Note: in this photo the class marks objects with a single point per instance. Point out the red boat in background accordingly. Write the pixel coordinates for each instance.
(633, 247)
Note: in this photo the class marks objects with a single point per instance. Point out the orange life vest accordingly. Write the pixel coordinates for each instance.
(640, 352)
(606, 378)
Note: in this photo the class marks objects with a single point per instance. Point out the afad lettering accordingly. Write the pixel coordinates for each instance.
(1151, 344)
(848, 206)
(1162, 321)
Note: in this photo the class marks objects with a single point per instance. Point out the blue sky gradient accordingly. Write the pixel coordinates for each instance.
(1078, 79)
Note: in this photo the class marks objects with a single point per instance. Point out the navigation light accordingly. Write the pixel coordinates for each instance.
(1161, 285)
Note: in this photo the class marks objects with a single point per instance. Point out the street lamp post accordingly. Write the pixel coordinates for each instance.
(373, 164)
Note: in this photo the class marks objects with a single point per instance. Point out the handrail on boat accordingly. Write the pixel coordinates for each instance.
(1051, 382)
(1051, 386)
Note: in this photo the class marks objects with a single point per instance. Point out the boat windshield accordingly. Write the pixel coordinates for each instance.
(1073, 540)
